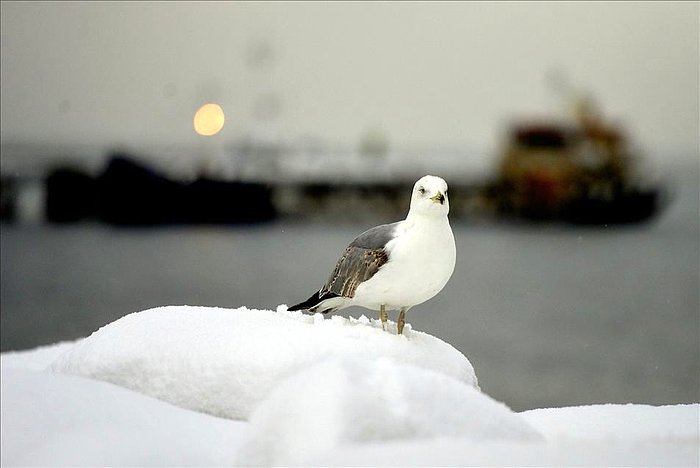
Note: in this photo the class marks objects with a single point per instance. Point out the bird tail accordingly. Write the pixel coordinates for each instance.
(313, 303)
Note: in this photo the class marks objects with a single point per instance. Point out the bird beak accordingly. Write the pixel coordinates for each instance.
(439, 198)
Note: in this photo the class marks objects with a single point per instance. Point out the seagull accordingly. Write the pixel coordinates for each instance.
(394, 266)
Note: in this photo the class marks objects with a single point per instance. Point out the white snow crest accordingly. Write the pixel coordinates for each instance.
(322, 392)
(225, 361)
(343, 401)
(57, 420)
(37, 359)
(612, 421)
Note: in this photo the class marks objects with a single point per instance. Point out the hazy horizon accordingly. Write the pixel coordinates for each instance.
(444, 75)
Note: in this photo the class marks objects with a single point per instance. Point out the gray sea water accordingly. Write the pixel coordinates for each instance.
(549, 315)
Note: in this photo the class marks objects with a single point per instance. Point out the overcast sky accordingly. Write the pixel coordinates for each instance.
(440, 74)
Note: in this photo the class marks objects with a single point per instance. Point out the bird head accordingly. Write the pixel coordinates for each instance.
(429, 197)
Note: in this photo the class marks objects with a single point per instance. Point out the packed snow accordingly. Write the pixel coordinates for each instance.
(225, 361)
(317, 392)
(673, 422)
(56, 420)
(348, 401)
(622, 452)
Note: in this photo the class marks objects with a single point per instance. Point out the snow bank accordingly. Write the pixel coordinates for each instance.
(225, 361)
(56, 420)
(342, 401)
(597, 435)
(35, 359)
(59, 420)
(459, 452)
(609, 422)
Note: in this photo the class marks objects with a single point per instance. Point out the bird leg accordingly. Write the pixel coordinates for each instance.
(402, 320)
(383, 316)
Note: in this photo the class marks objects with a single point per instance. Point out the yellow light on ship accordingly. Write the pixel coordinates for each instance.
(209, 119)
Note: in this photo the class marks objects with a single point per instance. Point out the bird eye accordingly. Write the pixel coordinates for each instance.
(421, 190)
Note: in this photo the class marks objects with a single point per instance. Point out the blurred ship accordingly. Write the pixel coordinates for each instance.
(580, 171)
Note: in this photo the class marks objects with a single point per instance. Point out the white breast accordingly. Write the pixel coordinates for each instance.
(421, 261)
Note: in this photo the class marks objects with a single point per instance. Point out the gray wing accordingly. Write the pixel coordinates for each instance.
(377, 237)
(361, 260)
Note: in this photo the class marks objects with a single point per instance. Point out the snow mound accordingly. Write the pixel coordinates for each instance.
(344, 401)
(609, 422)
(225, 361)
(37, 359)
(58, 420)
(566, 452)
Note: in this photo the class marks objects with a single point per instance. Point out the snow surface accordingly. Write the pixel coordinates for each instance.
(35, 359)
(348, 407)
(225, 361)
(344, 401)
(55, 420)
(673, 422)
(457, 452)
(596, 435)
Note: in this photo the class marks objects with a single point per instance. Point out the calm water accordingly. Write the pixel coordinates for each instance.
(548, 315)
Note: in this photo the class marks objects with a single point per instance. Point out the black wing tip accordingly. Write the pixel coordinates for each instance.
(308, 304)
(311, 303)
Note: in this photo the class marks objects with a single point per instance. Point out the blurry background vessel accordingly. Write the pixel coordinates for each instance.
(582, 171)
